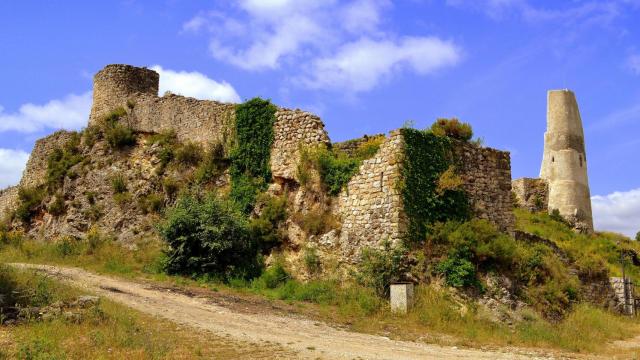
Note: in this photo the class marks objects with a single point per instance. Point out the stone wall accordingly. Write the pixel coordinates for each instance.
(293, 129)
(486, 174)
(371, 205)
(201, 121)
(35, 173)
(350, 147)
(8, 201)
(624, 304)
(531, 194)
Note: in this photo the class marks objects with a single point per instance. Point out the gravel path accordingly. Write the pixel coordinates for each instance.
(309, 339)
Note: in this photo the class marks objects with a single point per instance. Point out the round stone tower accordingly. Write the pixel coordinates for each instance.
(117, 83)
(564, 163)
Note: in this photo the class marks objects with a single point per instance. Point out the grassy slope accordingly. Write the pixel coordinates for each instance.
(438, 316)
(109, 331)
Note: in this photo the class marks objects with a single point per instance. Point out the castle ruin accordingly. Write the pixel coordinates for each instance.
(563, 184)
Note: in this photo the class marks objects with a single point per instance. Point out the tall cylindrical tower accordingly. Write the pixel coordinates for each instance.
(564, 163)
(117, 83)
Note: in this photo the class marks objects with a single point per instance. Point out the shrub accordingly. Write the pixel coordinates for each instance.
(555, 216)
(151, 203)
(369, 148)
(66, 246)
(312, 261)
(452, 128)
(380, 267)
(60, 162)
(95, 240)
(118, 184)
(29, 202)
(273, 277)
(265, 227)
(122, 199)
(90, 135)
(208, 235)
(115, 133)
(458, 272)
(189, 154)
(638, 236)
(56, 207)
(316, 221)
(336, 169)
(211, 166)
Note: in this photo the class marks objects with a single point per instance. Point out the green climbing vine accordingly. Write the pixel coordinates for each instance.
(427, 157)
(250, 169)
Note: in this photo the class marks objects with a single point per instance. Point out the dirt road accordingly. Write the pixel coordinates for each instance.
(309, 339)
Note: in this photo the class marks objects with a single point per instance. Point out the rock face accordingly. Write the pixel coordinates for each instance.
(564, 163)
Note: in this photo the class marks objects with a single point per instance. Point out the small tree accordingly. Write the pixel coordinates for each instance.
(208, 235)
(638, 236)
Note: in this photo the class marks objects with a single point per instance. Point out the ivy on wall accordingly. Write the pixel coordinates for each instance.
(250, 170)
(427, 157)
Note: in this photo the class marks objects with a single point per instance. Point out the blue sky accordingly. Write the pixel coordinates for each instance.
(364, 66)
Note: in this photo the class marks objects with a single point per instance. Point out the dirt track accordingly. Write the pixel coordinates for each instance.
(309, 339)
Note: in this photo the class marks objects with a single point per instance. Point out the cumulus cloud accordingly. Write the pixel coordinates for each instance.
(313, 40)
(12, 163)
(361, 65)
(619, 212)
(195, 84)
(70, 112)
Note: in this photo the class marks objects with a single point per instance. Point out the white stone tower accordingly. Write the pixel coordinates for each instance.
(564, 163)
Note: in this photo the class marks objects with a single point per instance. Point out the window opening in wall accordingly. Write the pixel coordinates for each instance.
(381, 178)
(580, 160)
(553, 159)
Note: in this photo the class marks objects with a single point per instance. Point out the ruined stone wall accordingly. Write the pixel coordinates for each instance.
(486, 174)
(8, 201)
(293, 129)
(350, 147)
(531, 194)
(624, 299)
(35, 172)
(371, 205)
(201, 121)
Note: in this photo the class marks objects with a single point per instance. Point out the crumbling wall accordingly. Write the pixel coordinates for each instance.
(201, 121)
(8, 201)
(486, 174)
(371, 205)
(35, 173)
(293, 129)
(350, 147)
(531, 194)
(624, 295)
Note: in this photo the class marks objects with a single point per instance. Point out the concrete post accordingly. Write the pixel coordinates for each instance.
(401, 297)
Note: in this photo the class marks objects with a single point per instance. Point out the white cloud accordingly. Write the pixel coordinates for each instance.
(195, 84)
(12, 163)
(362, 65)
(71, 112)
(312, 39)
(633, 63)
(619, 212)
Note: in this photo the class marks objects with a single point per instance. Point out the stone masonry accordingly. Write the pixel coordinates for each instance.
(292, 130)
(531, 194)
(371, 204)
(35, 173)
(486, 174)
(8, 200)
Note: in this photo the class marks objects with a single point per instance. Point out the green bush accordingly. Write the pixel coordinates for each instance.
(56, 207)
(212, 165)
(312, 261)
(638, 236)
(29, 203)
(151, 203)
(316, 221)
(208, 235)
(90, 136)
(60, 162)
(170, 186)
(116, 134)
(250, 158)
(458, 272)
(189, 154)
(118, 184)
(273, 277)
(167, 140)
(379, 268)
(336, 169)
(266, 227)
(67, 246)
(452, 128)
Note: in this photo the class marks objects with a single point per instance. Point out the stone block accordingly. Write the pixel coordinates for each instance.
(401, 297)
